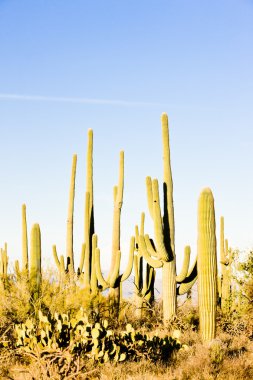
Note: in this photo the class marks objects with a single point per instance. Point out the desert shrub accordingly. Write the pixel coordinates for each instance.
(95, 341)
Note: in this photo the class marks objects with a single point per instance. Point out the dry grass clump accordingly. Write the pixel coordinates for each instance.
(228, 357)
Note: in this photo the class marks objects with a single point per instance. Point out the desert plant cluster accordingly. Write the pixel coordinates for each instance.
(74, 323)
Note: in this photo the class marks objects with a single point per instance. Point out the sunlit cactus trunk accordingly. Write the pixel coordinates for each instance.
(70, 219)
(207, 265)
(89, 229)
(169, 290)
(35, 262)
(25, 265)
(225, 261)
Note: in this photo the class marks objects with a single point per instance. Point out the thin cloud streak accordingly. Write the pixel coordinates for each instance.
(18, 97)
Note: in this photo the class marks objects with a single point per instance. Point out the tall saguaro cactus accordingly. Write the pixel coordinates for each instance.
(70, 219)
(69, 236)
(35, 261)
(114, 279)
(24, 243)
(207, 265)
(164, 231)
(89, 228)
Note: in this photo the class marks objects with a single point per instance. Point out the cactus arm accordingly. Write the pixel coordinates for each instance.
(69, 239)
(138, 278)
(112, 279)
(80, 268)
(56, 259)
(129, 267)
(189, 281)
(149, 281)
(87, 256)
(181, 277)
(17, 269)
(155, 263)
(62, 265)
(142, 223)
(222, 253)
(159, 236)
(149, 195)
(150, 246)
(24, 241)
(116, 215)
(99, 275)
(4, 262)
(207, 265)
(93, 282)
(169, 224)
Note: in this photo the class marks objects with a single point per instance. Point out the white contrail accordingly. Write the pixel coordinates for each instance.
(76, 100)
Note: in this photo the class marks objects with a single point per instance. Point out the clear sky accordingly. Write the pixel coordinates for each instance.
(115, 66)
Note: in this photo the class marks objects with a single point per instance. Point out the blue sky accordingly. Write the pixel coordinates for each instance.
(115, 66)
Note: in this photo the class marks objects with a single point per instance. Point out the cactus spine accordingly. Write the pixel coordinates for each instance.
(35, 261)
(207, 265)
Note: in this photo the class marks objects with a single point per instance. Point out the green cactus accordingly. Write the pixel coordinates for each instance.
(207, 265)
(69, 265)
(225, 261)
(86, 253)
(4, 259)
(35, 261)
(163, 255)
(25, 265)
(91, 341)
(70, 220)
(89, 228)
(143, 279)
(114, 279)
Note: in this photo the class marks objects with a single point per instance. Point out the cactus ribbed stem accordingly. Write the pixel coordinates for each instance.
(35, 261)
(69, 240)
(164, 230)
(225, 261)
(182, 275)
(169, 291)
(89, 227)
(207, 265)
(169, 224)
(24, 242)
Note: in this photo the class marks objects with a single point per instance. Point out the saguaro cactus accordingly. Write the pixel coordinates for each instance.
(70, 220)
(164, 231)
(207, 265)
(87, 249)
(114, 278)
(24, 243)
(89, 228)
(69, 236)
(35, 261)
(4, 265)
(225, 261)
